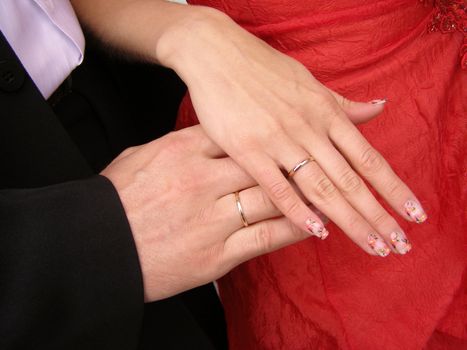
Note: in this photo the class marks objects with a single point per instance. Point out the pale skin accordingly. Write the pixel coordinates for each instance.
(266, 111)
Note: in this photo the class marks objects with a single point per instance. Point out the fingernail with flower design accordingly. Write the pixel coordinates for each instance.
(415, 211)
(316, 229)
(377, 244)
(378, 102)
(400, 242)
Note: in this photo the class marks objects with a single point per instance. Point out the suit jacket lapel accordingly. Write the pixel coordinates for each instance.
(35, 149)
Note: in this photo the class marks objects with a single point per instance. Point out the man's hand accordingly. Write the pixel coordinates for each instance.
(177, 192)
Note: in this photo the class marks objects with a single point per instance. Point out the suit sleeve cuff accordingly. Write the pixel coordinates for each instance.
(70, 270)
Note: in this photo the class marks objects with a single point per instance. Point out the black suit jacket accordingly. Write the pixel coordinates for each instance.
(69, 270)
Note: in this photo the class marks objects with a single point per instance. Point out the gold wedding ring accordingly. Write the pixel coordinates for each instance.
(297, 167)
(240, 208)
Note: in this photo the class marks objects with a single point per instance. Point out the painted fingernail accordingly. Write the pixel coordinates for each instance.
(415, 211)
(400, 242)
(378, 102)
(316, 229)
(377, 244)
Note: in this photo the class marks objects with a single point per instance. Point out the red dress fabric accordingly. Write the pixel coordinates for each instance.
(330, 294)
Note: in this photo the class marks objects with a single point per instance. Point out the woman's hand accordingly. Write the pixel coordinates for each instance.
(269, 114)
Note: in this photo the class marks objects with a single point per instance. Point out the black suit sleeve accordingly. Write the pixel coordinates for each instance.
(69, 271)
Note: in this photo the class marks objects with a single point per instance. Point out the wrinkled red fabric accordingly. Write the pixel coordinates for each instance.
(330, 294)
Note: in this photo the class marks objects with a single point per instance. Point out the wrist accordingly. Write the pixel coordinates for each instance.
(186, 40)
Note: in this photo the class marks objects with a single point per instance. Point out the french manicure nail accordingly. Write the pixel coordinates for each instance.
(415, 211)
(316, 229)
(400, 242)
(378, 102)
(377, 244)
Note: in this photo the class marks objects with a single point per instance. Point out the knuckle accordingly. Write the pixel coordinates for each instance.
(283, 194)
(325, 189)
(291, 207)
(254, 139)
(379, 218)
(127, 151)
(394, 188)
(296, 118)
(187, 183)
(173, 148)
(371, 161)
(322, 98)
(350, 182)
(263, 238)
(345, 103)
(280, 191)
(249, 146)
(186, 133)
(328, 103)
(273, 130)
(179, 141)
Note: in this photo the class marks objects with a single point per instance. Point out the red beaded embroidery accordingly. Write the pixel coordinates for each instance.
(450, 16)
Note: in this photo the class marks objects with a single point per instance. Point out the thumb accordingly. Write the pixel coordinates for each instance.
(359, 112)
